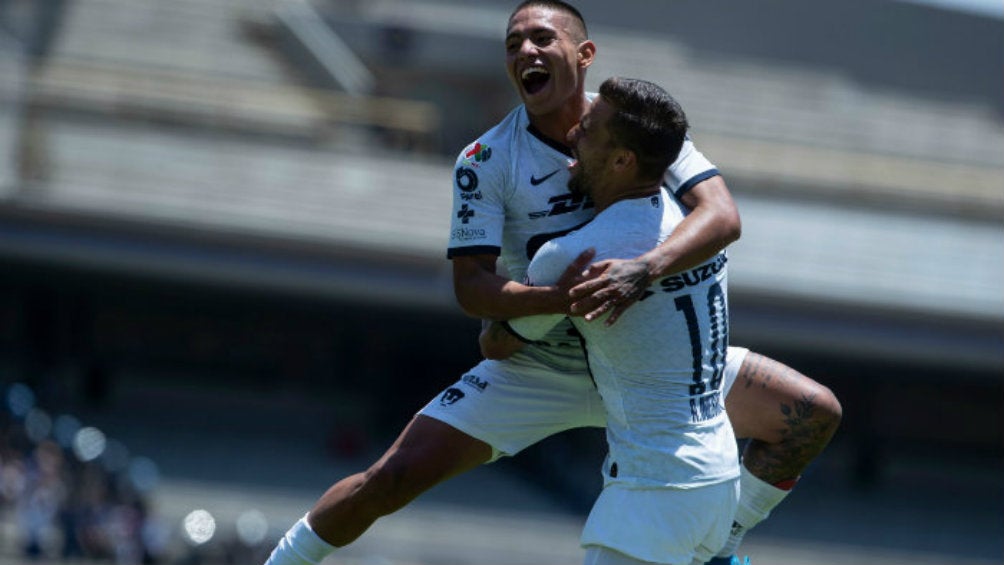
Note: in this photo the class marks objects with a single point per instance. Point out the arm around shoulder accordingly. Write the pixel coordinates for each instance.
(711, 226)
(483, 294)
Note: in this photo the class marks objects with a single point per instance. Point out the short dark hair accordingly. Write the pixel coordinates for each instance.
(647, 121)
(560, 6)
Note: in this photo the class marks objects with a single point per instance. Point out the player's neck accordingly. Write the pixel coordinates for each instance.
(603, 200)
(556, 124)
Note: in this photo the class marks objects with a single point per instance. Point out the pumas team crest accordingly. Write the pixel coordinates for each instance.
(451, 396)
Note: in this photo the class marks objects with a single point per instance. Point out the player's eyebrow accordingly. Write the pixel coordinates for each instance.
(535, 31)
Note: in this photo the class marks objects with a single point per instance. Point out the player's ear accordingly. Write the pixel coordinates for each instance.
(624, 159)
(586, 53)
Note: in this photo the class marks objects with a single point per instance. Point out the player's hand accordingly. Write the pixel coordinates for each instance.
(575, 274)
(611, 286)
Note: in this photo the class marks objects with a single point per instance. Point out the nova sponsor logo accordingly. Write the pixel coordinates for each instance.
(468, 234)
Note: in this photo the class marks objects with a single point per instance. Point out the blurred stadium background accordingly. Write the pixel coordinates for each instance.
(223, 281)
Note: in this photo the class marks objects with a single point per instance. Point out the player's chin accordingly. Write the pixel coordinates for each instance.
(576, 184)
(538, 100)
(534, 102)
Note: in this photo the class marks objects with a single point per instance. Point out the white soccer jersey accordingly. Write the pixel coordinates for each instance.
(659, 369)
(511, 196)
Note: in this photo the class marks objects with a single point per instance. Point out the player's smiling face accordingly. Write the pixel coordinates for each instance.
(544, 59)
(591, 143)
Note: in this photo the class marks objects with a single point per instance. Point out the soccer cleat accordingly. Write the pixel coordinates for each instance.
(734, 560)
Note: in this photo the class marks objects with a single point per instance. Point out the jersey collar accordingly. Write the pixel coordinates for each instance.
(559, 147)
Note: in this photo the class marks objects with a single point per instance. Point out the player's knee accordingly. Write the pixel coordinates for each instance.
(826, 411)
(829, 411)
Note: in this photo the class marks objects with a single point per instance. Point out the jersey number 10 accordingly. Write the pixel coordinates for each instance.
(718, 319)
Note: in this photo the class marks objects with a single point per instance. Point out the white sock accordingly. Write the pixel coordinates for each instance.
(300, 546)
(756, 500)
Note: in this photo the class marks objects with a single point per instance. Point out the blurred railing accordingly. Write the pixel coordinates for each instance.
(198, 63)
(307, 37)
(200, 99)
(824, 131)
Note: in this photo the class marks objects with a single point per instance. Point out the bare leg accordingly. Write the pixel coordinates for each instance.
(788, 417)
(426, 453)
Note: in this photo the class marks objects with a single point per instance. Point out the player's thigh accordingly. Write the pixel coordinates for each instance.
(429, 451)
(511, 406)
(766, 395)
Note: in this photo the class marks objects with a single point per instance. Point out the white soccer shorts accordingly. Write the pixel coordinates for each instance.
(631, 526)
(511, 405)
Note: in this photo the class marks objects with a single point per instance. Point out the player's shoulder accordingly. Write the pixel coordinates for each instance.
(569, 245)
(487, 161)
(494, 142)
(549, 261)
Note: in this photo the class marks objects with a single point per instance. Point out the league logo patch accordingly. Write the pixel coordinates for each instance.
(477, 154)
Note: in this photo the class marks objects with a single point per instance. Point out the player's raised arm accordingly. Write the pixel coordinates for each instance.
(614, 285)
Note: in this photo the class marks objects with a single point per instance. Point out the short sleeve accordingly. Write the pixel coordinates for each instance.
(689, 169)
(478, 212)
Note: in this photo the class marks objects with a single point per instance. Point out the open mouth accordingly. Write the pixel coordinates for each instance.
(534, 79)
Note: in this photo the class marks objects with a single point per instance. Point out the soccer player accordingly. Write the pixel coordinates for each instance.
(671, 477)
(510, 197)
